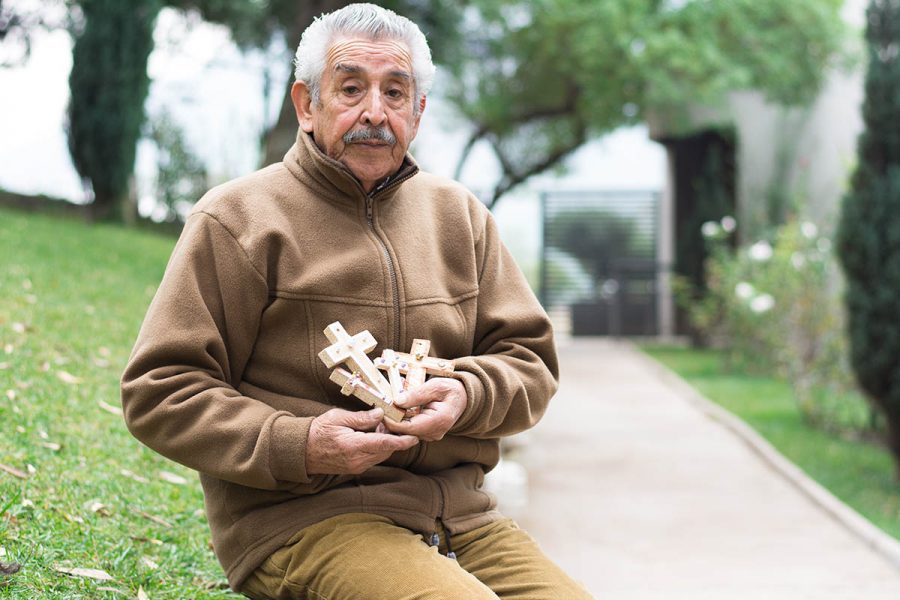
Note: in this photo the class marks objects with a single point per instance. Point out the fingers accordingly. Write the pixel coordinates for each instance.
(366, 420)
(432, 390)
(334, 447)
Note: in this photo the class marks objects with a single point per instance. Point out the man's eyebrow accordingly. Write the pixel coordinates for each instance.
(348, 68)
(400, 75)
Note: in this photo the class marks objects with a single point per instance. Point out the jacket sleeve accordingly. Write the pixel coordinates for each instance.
(178, 390)
(513, 371)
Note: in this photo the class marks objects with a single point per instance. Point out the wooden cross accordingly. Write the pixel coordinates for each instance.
(417, 364)
(353, 384)
(352, 350)
(391, 363)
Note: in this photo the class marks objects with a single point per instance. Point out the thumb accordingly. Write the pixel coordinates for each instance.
(363, 420)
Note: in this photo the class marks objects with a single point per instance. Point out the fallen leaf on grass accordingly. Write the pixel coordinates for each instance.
(73, 518)
(116, 410)
(99, 508)
(140, 538)
(9, 348)
(19, 327)
(11, 394)
(2, 551)
(19, 428)
(134, 476)
(67, 377)
(4, 366)
(172, 478)
(149, 562)
(51, 446)
(100, 362)
(111, 589)
(211, 585)
(31, 469)
(89, 573)
(142, 595)
(155, 519)
(9, 568)
(13, 471)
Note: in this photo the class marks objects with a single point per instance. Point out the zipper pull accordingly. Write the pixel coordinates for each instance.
(369, 211)
(435, 540)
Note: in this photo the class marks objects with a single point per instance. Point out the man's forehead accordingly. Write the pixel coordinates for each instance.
(360, 69)
(364, 55)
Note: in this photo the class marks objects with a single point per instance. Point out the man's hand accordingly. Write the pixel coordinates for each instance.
(343, 442)
(442, 401)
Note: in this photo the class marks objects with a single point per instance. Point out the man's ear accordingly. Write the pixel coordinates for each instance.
(302, 105)
(419, 116)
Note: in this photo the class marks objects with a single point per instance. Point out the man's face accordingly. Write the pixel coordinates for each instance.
(365, 118)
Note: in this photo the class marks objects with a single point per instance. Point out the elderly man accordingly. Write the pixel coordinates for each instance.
(307, 495)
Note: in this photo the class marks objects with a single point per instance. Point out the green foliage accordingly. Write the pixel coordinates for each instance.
(854, 470)
(541, 77)
(869, 233)
(73, 301)
(774, 310)
(108, 84)
(180, 175)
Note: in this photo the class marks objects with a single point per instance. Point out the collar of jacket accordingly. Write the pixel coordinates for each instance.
(332, 179)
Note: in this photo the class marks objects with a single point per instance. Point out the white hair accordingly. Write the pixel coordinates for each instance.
(363, 20)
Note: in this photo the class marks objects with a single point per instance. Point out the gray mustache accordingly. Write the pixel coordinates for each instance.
(381, 134)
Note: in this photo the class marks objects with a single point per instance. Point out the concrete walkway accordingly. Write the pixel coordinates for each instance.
(639, 494)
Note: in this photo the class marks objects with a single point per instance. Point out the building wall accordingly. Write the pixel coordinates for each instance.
(810, 151)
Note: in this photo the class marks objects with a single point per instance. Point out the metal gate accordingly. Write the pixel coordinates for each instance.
(599, 261)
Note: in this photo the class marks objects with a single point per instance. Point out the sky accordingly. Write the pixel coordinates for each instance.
(215, 93)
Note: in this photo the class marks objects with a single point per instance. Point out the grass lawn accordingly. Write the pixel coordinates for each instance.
(79, 492)
(859, 473)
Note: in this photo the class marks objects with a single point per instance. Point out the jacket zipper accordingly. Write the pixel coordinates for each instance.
(392, 270)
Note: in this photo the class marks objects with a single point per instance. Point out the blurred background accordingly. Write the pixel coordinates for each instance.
(717, 180)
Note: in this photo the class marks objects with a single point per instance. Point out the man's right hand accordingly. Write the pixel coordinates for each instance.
(343, 442)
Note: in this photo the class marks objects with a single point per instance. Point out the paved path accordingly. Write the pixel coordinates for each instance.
(639, 495)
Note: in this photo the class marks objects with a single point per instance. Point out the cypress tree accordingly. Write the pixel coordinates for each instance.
(869, 229)
(108, 85)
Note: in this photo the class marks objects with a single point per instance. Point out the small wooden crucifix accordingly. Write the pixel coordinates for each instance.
(417, 364)
(352, 350)
(353, 384)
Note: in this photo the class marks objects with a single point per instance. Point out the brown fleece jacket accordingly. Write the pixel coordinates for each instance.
(224, 377)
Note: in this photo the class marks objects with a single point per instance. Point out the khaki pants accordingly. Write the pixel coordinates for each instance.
(367, 557)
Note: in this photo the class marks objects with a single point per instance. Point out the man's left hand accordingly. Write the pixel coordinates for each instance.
(442, 402)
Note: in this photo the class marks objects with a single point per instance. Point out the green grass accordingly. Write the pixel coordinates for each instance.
(72, 298)
(859, 473)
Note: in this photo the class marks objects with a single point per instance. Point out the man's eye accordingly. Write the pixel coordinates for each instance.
(395, 93)
(351, 90)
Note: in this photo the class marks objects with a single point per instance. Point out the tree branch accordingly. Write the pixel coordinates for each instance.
(511, 179)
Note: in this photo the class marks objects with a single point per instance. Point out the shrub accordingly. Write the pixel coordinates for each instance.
(774, 308)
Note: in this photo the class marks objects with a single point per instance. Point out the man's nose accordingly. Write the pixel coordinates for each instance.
(373, 111)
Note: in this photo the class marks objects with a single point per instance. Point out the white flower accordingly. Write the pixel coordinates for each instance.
(744, 290)
(798, 260)
(710, 229)
(760, 251)
(824, 245)
(762, 303)
(809, 230)
(728, 224)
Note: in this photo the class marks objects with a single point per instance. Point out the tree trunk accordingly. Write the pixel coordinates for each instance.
(893, 441)
(281, 136)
